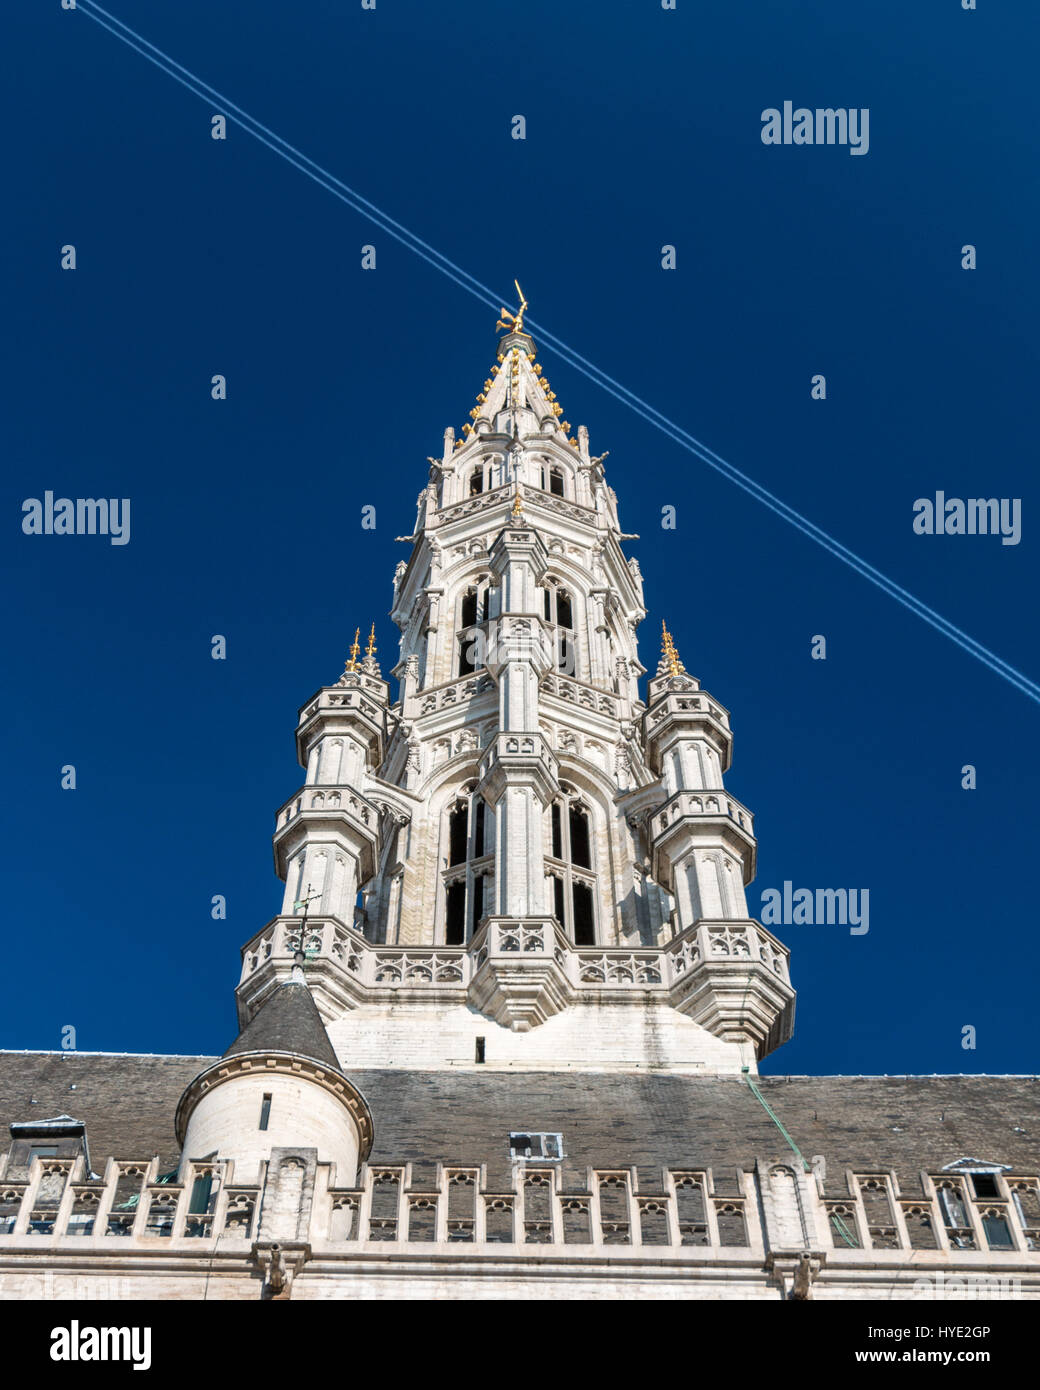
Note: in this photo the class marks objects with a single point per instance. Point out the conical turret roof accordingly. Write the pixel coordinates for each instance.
(287, 1021)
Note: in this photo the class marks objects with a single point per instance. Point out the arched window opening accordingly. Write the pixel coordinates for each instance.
(579, 827)
(466, 894)
(469, 608)
(564, 609)
(573, 887)
(476, 481)
(556, 481)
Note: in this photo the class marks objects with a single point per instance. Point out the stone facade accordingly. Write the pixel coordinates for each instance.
(502, 1039)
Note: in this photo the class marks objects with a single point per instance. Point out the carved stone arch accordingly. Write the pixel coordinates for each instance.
(587, 778)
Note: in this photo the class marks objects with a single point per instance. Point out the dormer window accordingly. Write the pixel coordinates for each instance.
(529, 1144)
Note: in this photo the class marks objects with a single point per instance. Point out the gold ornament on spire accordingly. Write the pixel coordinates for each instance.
(370, 650)
(668, 652)
(352, 663)
(518, 505)
(514, 323)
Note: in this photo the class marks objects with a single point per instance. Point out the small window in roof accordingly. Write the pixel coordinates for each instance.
(530, 1144)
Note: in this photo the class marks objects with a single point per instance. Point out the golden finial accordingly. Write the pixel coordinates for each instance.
(518, 506)
(514, 323)
(669, 652)
(370, 650)
(352, 663)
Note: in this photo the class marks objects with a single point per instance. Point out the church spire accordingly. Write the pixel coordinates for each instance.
(669, 665)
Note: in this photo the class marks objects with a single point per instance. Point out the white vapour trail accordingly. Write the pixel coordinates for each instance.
(471, 285)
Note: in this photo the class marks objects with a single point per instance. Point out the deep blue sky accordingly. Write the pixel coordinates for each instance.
(198, 257)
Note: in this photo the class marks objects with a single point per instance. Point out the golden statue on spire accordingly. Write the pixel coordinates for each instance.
(518, 504)
(352, 663)
(669, 653)
(514, 323)
(370, 650)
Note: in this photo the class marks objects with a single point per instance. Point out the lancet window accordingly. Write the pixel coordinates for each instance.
(571, 868)
(469, 862)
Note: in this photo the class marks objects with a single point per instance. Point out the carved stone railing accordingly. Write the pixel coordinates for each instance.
(686, 701)
(56, 1203)
(522, 971)
(362, 694)
(327, 939)
(453, 693)
(579, 694)
(327, 798)
(702, 803)
(54, 1206)
(482, 502)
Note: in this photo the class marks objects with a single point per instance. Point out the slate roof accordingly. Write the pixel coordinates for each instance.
(287, 1021)
(607, 1120)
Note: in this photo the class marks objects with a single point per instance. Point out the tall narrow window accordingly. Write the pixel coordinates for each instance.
(466, 667)
(467, 866)
(458, 833)
(574, 895)
(265, 1110)
(558, 607)
(476, 481)
(469, 608)
(455, 913)
(579, 837)
(558, 891)
(556, 481)
(584, 927)
(477, 903)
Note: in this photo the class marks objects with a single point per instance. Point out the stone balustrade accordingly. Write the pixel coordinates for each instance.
(328, 799)
(453, 694)
(57, 1206)
(580, 695)
(330, 943)
(701, 803)
(364, 694)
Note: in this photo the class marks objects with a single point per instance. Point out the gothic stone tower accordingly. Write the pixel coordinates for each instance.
(521, 861)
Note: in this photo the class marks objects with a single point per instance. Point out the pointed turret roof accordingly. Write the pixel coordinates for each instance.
(516, 384)
(287, 1021)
